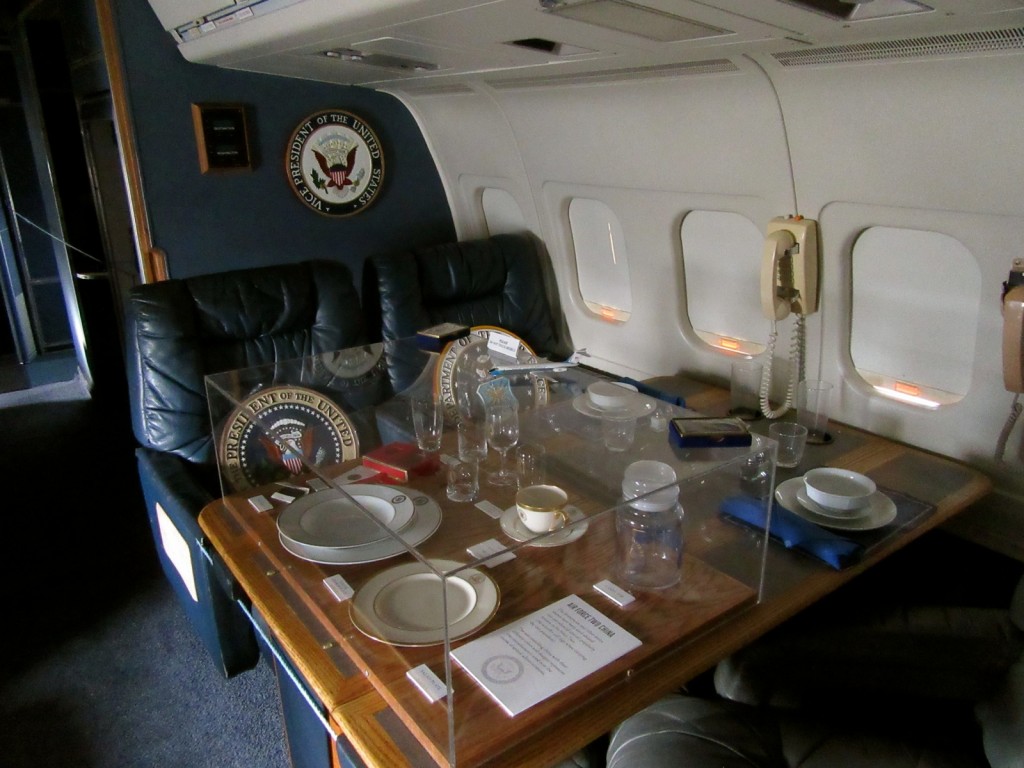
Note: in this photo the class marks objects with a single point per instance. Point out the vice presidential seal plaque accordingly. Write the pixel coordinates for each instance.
(283, 431)
(334, 163)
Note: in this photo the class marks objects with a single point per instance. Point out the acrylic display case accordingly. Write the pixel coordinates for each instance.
(476, 632)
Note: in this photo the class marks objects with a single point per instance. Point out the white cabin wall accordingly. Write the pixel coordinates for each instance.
(933, 145)
(650, 149)
(927, 144)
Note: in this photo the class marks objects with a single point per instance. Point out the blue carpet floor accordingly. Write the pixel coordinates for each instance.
(101, 668)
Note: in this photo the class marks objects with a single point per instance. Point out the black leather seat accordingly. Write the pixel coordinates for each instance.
(178, 332)
(496, 281)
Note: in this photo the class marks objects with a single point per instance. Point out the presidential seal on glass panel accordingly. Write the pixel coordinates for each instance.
(464, 364)
(335, 163)
(279, 432)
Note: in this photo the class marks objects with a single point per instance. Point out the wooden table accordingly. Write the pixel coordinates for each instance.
(361, 688)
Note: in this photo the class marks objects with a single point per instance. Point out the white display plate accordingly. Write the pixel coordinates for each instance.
(329, 518)
(403, 605)
(425, 521)
(640, 405)
(880, 511)
(514, 528)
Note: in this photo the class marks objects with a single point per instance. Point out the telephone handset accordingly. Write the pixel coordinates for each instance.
(1013, 352)
(1013, 329)
(789, 284)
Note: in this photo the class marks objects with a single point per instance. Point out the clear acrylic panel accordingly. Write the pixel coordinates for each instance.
(469, 625)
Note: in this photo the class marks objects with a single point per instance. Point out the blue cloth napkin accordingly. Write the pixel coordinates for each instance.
(795, 532)
(647, 389)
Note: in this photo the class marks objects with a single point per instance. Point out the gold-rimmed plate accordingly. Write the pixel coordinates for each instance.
(334, 518)
(405, 605)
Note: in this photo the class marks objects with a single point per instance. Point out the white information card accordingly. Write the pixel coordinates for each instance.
(536, 657)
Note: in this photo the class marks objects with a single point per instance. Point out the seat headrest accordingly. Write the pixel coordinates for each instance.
(180, 331)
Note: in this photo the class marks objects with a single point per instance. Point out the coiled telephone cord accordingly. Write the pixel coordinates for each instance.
(1004, 436)
(796, 370)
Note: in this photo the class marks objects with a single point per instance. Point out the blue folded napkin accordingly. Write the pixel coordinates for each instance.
(647, 389)
(795, 532)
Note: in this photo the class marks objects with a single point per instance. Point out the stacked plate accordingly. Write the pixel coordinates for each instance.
(333, 527)
(604, 398)
(837, 498)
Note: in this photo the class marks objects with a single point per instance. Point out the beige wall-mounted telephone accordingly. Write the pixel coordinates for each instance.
(789, 271)
(1013, 329)
(1013, 352)
(789, 284)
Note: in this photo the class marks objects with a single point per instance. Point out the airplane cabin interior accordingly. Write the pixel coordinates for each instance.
(829, 190)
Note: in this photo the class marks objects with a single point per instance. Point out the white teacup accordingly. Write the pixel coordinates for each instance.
(541, 508)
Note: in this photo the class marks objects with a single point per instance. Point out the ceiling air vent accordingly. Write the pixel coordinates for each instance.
(633, 19)
(992, 41)
(860, 10)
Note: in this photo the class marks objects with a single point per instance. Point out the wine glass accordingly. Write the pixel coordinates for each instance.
(502, 434)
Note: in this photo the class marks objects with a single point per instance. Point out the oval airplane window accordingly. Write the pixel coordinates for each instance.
(914, 317)
(501, 212)
(724, 249)
(602, 262)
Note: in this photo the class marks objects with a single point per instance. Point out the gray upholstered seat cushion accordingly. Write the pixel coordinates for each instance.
(692, 732)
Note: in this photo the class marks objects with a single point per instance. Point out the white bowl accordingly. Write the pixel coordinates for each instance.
(839, 488)
(608, 395)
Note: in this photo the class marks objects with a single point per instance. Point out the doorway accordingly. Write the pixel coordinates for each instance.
(75, 220)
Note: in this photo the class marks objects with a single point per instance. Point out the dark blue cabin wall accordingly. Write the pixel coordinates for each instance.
(219, 221)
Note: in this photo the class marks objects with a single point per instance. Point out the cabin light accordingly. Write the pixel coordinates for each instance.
(908, 392)
(895, 394)
(384, 60)
(607, 313)
(730, 344)
(344, 54)
(906, 388)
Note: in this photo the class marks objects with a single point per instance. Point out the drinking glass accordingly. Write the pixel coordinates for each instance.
(428, 422)
(502, 434)
(472, 440)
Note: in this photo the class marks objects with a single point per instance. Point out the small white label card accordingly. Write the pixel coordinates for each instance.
(340, 588)
(317, 484)
(491, 547)
(489, 508)
(430, 685)
(261, 503)
(539, 655)
(615, 593)
(503, 344)
(284, 498)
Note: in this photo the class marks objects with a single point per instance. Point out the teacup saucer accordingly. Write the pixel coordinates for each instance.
(879, 512)
(514, 528)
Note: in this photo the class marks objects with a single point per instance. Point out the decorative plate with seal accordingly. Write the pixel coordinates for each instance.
(282, 431)
(468, 360)
(334, 163)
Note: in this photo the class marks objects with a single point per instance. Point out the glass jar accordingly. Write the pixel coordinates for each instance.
(649, 527)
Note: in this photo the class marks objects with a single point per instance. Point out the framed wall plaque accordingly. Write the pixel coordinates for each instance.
(334, 163)
(221, 137)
